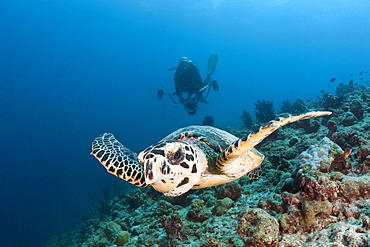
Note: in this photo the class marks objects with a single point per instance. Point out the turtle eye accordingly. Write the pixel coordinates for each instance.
(176, 157)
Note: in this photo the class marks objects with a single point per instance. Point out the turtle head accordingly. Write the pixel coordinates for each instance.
(172, 167)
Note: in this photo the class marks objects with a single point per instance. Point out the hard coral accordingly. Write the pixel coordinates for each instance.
(258, 228)
(319, 156)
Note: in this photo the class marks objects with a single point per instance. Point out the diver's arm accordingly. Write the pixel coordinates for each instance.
(177, 85)
(198, 80)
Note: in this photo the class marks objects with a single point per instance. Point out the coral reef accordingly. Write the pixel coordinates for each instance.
(332, 126)
(264, 111)
(222, 206)
(122, 238)
(230, 190)
(258, 228)
(348, 119)
(299, 106)
(174, 227)
(314, 191)
(331, 101)
(310, 125)
(344, 89)
(198, 212)
(357, 109)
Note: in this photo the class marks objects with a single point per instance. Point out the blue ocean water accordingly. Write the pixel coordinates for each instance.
(71, 70)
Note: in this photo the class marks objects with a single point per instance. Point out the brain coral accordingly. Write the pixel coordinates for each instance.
(319, 156)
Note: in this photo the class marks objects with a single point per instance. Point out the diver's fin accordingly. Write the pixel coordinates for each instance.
(202, 99)
(212, 62)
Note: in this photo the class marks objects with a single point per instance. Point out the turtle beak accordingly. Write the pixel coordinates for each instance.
(159, 174)
(156, 169)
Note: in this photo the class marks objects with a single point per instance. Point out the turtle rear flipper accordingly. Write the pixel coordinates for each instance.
(255, 173)
(245, 145)
(118, 160)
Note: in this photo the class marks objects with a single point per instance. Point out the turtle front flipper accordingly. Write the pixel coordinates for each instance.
(245, 145)
(118, 160)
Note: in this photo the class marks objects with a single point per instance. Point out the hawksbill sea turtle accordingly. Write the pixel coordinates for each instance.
(193, 157)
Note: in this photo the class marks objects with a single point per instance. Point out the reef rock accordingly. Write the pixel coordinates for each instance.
(231, 190)
(357, 109)
(312, 208)
(257, 228)
(222, 206)
(198, 212)
(348, 119)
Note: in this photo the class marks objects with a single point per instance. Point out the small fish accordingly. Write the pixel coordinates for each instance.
(355, 84)
(329, 85)
(347, 153)
(308, 100)
(332, 80)
(367, 81)
(351, 74)
(193, 196)
(361, 72)
(361, 79)
(334, 233)
(351, 82)
(164, 106)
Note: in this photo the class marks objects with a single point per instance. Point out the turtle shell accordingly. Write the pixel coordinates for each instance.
(215, 138)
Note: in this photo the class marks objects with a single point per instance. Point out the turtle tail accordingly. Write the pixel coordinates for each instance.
(247, 142)
(118, 160)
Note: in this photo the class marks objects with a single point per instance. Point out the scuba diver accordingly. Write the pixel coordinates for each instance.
(189, 87)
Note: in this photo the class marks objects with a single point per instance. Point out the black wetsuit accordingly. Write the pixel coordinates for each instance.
(188, 82)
